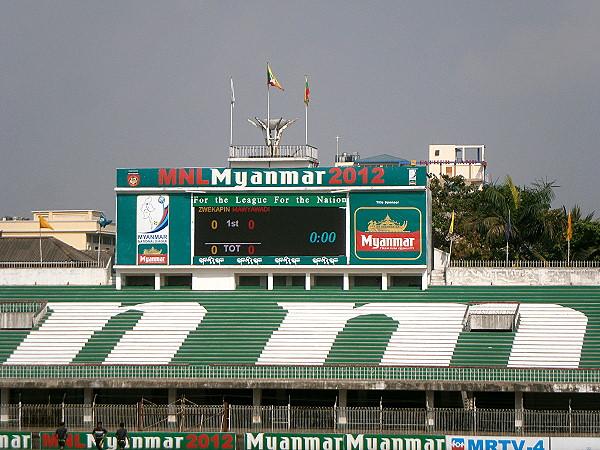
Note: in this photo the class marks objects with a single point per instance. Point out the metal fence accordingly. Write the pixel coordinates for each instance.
(245, 372)
(518, 263)
(264, 151)
(53, 264)
(242, 418)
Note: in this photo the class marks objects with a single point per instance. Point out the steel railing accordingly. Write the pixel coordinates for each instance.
(52, 264)
(353, 373)
(242, 418)
(524, 264)
(264, 151)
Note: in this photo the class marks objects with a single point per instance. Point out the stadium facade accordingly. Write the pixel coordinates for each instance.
(295, 299)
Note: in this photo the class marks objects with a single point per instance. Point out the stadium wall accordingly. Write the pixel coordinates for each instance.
(73, 276)
(522, 276)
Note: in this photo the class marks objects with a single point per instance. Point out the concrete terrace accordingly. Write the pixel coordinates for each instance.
(324, 338)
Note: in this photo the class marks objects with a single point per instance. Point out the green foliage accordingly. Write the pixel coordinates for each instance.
(537, 232)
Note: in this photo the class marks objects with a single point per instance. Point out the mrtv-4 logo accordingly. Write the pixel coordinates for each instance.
(496, 443)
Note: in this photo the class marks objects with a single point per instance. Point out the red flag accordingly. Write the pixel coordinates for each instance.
(306, 90)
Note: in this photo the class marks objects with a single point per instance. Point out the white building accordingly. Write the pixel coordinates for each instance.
(454, 160)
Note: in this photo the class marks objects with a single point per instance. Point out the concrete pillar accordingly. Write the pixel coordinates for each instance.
(518, 411)
(4, 401)
(468, 399)
(88, 398)
(424, 281)
(256, 404)
(346, 282)
(429, 405)
(307, 282)
(157, 281)
(384, 281)
(118, 282)
(269, 281)
(342, 407)
(171, 399)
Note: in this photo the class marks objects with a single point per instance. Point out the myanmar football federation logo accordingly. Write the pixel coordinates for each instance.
(133, 178)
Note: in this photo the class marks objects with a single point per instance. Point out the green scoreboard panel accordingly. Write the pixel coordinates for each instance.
(258, 225)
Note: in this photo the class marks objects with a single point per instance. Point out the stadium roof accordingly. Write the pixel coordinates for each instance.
(32, 249)
(383, 159)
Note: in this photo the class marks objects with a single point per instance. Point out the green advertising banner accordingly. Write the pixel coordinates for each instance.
(144, 440)
(333, 177)
(15, 440)
(388, 228)
(297, 441)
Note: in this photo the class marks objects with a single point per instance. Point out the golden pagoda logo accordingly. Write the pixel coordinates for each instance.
(152, 251)
(155, 254)
(387, 225)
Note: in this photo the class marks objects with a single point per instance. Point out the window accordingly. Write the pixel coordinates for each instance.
(458, 155)
(437, 153)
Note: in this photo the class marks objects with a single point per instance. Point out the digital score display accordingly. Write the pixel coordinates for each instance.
(270, 228)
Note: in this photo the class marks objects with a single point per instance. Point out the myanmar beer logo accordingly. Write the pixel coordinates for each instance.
(391, 233)
(387, 235)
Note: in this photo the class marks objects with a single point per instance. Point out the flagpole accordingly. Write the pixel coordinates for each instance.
(507, 236)
(231, 115)
(99, 241)
(306, 126)
(41, 259)
(269, 122)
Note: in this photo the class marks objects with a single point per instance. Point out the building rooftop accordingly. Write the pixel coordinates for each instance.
(36, 249)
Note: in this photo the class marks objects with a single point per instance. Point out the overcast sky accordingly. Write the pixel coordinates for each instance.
(89, 86)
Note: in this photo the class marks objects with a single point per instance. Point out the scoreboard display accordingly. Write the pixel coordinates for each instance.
(271, 231)
(272, 217)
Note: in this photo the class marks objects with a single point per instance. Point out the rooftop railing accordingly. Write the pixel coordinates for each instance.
(264, 151)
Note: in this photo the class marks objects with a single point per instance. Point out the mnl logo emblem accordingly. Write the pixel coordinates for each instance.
(133, 179)
(457, 444)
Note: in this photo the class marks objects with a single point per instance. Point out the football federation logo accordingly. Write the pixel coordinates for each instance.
(133, 179)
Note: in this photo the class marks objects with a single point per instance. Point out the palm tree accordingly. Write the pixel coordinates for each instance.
(532, 227)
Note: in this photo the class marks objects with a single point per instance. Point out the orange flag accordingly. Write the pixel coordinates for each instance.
(44, 223)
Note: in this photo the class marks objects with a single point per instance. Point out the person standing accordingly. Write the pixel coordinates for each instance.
(99, 433)
(61, 435)
(122, 437)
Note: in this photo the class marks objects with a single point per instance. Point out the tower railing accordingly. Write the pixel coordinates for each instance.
(265, 151)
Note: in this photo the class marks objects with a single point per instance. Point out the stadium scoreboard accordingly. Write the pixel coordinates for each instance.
(332, 216)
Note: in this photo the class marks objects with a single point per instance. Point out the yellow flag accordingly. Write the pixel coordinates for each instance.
(569, 228)
(44, 223)
(451, 224)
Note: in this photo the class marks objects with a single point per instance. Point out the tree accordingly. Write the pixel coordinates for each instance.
(537, 232)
